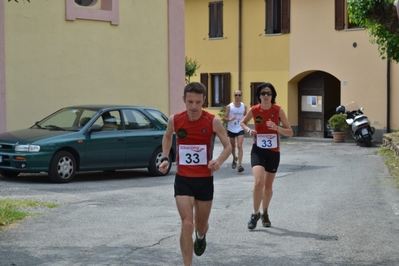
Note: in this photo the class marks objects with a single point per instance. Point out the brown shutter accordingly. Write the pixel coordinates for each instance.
(226, 89)
(204, 80)
(212, 14)
(219, 12)
(339, 14)
(269, 16)
(285, 16)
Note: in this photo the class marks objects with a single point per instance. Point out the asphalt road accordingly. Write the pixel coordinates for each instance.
(333, 204)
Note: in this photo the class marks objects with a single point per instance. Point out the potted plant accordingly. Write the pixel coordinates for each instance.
(338, 123)
(221, 113)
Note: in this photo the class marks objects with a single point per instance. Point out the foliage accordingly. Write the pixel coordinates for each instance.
(380, 17)
(17, 1)
(221, 115)
(338, 122)
(191, 67)
(10, 209)
(391, 160)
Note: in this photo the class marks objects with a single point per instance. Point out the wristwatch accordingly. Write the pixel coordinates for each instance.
(164, 159)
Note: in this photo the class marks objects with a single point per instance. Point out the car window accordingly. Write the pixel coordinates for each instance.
(109, 121)
(136, 120)
(159, 116)
(66, 119)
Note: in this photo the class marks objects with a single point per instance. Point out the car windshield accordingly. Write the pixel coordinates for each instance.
(67, 119)
(159, 116)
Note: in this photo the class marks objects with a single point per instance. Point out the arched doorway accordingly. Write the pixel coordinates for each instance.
(319, 93)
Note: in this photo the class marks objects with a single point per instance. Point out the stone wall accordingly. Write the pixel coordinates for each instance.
(391, 141)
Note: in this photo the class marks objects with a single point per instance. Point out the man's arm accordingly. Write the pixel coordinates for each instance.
(221, 133)
(167, 143)
(226, 114)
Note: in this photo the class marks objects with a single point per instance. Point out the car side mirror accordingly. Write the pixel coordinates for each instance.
(95, 128)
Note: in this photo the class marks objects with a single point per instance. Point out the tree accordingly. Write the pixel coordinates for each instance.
(17, 1)
(191, 67)
(380, 18)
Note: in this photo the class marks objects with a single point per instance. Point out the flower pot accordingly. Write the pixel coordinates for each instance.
(339, 136)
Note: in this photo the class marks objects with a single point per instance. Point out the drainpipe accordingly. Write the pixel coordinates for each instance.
(239, 43)
(388, 94)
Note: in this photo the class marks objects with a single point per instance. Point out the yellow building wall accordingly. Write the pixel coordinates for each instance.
(316, 45)
(264, 58)
(52, 63)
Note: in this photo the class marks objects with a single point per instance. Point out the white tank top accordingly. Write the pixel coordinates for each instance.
(234, 126)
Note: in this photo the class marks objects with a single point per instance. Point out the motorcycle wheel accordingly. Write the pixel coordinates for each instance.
(367, 141)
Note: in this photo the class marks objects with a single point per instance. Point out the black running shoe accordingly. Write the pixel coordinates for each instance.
(253, 221)
(199, 245)
(265, 220)
(240, 169)
(234, 163)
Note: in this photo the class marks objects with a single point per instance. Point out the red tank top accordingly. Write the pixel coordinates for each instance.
(266, 138)
(195, 142)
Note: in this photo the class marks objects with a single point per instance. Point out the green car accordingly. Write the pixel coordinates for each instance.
(87, 138)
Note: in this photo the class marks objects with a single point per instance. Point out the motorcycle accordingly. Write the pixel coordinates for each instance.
(359, 124)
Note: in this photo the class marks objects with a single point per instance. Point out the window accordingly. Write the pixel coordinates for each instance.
(136, 120)
(204, 80)
(277, 16)
(220, 89)
(109, 121)
(341, 16)
(254, 99)
(216, 19)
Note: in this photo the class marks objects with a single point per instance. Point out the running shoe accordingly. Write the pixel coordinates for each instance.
(253, 221)
(240, 169)
(234, 163)
(199, 245)
(265, 220)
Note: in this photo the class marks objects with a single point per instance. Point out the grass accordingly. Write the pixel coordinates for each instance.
(13, 210)
(392, 163)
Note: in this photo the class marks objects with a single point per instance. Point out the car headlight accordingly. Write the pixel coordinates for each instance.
(27, 148)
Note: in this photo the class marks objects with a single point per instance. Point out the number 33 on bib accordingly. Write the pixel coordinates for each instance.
(266, 141)
(192, 155)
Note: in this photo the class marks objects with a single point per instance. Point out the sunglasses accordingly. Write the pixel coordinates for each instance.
(268, 93)
(237, 95)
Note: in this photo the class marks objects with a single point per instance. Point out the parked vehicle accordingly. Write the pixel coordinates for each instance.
(359, 124)
(87, 138)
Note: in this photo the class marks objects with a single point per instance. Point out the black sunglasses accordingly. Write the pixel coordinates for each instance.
(268, 93)
(237, 95)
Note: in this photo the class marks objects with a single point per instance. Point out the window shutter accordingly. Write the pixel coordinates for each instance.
(269, 16)
(285, 16)
(339, 14)
(219, 12)
(204, 80)
(226, 88)
(212, 15)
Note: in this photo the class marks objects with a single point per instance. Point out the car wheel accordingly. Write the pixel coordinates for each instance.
(7, 173)
(155, 161)
(62, 167)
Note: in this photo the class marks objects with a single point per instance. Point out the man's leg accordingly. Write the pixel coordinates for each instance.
(185, 205)
(202, 213)
(240, 140)
(233, 152)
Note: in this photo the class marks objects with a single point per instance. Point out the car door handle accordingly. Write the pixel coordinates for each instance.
(121, 139)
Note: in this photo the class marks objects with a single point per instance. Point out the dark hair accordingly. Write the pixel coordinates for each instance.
(264, 85)
(195, 87)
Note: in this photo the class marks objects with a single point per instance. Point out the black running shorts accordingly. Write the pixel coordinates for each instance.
(200, 188)
(270, 160)
(233, 135)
